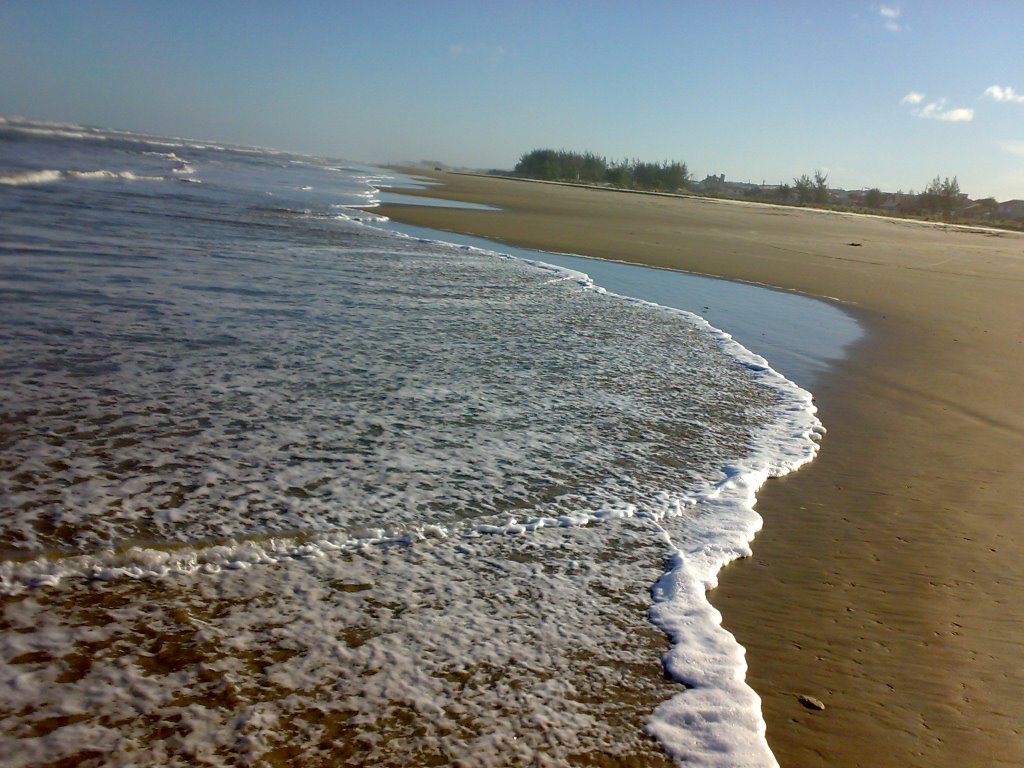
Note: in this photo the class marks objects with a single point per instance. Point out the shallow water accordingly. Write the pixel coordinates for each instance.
(282, 488)
(800, 336)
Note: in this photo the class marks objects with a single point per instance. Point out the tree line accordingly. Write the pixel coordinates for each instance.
(940, 196)
(589, 168)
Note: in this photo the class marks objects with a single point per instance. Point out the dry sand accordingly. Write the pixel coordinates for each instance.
(888, 581)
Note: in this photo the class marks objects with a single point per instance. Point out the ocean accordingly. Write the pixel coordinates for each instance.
(284, 485)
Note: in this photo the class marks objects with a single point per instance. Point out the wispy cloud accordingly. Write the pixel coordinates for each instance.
(1014, 147)
(489, 53)
(1001, 93)
(936, 110)
(891, 16)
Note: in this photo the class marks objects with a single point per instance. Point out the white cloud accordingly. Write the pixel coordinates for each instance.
(962, 115)
(1014, 148)
(936, 110)
(891, 14)
(999, 93)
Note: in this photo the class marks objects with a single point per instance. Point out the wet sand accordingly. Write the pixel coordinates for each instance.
(888, 581)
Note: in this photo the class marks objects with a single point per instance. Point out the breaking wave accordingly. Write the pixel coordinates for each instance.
(22, 178)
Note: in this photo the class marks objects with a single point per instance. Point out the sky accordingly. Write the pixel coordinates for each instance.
(886, 95)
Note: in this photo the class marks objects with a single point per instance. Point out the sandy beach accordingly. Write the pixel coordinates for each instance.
(888, 581)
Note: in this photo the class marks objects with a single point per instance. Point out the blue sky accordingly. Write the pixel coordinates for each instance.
(876, 94)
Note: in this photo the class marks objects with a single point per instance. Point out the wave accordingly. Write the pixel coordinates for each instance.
(181, 165)
(52, 129)
(58, 132)
(356, 213)
(50, 176)
(732, 495)
(49, 129)
(717, 720)
(17, 577)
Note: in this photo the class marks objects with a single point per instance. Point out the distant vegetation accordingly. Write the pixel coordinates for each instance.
(940, 196)
(588, 168)
(808, 191)
(940, 200)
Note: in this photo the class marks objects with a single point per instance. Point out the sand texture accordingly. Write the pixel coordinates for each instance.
(888, 582)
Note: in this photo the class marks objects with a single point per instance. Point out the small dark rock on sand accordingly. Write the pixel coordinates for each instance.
(810, 702)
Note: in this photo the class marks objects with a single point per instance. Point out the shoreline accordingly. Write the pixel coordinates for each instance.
(694, 196)
(762, 318)
(885, 581)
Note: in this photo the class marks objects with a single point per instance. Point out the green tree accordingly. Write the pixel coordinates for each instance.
(940, 196)
(538, 164)
(820, 187)
(810, 190)
(554, 165)
(675, 175)
(950, 194)
(804, 188)
(620, 174)
(873, 198)
(563, 165)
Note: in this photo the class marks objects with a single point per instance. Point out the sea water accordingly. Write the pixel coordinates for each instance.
(802, 336)
(281, 487)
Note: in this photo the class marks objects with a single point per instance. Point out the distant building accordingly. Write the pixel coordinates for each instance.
(713, 183)
(1011, 209)
(717, 185)
(974, 209)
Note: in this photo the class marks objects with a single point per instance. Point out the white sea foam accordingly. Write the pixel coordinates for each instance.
(717, 721)
(443, 641)
(31, 177)
(50, 176)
